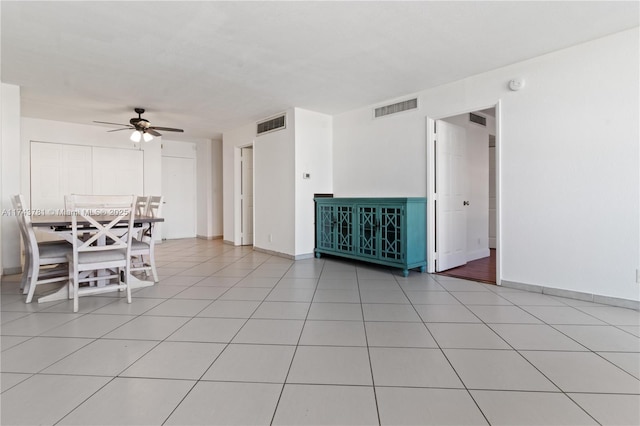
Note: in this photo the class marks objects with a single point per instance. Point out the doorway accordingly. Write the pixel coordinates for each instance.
(462, 187)
(246, 196)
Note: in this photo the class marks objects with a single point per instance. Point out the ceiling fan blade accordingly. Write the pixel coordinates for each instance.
(113, 124)
(117, 130)
(166, 129)
(153, 132)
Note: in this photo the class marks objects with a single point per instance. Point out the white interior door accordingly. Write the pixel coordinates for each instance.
(246, 196)
(451, 183)
(179, 191)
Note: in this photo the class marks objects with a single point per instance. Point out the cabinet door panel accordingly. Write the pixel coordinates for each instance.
(367, 230)
(344, 228)
(326, 235)
(391, 226)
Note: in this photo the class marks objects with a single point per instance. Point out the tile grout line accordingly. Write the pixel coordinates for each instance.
(200, 379)
(364, 325)
(450, 363)
(295, 350)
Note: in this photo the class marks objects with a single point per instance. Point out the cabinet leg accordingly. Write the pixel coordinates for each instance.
(318, 255)
(405, 273)
(423, 269)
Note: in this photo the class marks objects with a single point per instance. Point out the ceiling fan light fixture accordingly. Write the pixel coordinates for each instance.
(147, 137)
(136, 136)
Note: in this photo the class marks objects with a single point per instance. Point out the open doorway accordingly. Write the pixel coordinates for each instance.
(463, 187)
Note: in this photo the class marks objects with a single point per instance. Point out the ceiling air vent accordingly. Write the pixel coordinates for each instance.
(478, 119)
(398, 107)
(272, 124)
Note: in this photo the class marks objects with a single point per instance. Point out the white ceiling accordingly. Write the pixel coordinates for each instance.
(212, 66)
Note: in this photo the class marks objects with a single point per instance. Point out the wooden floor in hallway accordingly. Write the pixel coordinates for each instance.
(483, 270)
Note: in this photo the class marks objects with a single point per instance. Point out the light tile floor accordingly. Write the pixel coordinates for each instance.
(233, 336)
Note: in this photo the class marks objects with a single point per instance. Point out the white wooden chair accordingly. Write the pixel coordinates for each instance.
(141, 206)
(107, 251)
(143, 246)
(142, 201)
(46, 262)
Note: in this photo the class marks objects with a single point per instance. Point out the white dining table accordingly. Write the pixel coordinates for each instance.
(60, 225)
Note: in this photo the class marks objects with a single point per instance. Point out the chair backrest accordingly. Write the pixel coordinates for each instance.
(154, 207)
(102, 217)
(142, 203)
(24, 223)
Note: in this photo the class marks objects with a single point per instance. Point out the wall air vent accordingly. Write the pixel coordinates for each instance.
(397, 107)
(478, 119)
(272, 124)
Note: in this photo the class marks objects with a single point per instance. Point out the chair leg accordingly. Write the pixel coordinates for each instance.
(76, 287)
(126, 281)
(34, 270)
(152, 263)
(26, 278)
(25, 275)
(70, 282)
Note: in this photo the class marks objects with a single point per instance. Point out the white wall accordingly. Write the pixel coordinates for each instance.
(313, 155)
(477, 169)
(209, 164)
(283, 200)
(274, 189)
(379, 157)
(232, 141)
(274, 186)
(204, 194)
(568, 160)
(216, 229)
(10, 259)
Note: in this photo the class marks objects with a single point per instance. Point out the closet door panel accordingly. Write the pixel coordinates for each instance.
(117, 171)
(58, 170)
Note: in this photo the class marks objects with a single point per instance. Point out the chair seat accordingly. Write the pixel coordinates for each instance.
(53, 242)
(54, 249)
(139, 245)
(101, 256)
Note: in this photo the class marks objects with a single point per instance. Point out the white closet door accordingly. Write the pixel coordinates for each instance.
(118, 171)
(179, 191)
(58, 170)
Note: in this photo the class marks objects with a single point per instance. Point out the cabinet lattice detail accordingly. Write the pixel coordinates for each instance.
(345, 233)
(388, 231)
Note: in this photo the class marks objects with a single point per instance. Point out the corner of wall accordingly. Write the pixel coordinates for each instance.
(10, 171)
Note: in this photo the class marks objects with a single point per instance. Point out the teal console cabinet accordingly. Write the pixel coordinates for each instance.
(388, 231)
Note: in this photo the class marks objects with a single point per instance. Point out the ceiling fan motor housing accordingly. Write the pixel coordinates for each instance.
(139, 123)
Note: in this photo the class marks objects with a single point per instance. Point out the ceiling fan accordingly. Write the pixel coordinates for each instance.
(142, 129)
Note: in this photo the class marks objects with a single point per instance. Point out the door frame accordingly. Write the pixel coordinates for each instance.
(237, 193)
(431, 185)
(242, 197)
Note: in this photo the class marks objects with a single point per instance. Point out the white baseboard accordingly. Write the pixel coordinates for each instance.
(572, 294)
(478, 254)
(285, 255)
(211, 237)
(12, 271)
